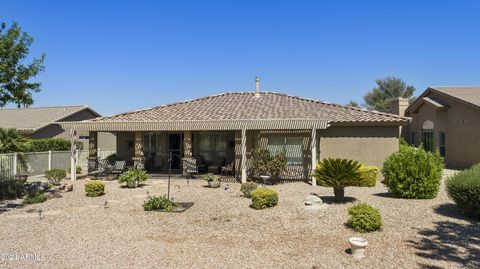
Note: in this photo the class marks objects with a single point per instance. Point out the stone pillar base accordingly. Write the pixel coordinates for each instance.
(92, 164)
(139, 162)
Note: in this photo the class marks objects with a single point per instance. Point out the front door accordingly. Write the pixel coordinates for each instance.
(175, 149)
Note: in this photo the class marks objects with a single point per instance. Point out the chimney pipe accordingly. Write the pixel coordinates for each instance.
(257, 87)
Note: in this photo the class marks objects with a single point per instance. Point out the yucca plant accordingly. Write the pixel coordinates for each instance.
(338, 174)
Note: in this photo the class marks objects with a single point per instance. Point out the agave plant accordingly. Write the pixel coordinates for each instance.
(338, 173)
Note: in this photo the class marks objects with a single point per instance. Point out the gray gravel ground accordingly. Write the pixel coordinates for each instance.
(222, 231)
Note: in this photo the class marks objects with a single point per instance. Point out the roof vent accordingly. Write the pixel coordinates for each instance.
(257, 87)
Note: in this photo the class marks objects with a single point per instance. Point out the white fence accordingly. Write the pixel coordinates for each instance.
(36, 163)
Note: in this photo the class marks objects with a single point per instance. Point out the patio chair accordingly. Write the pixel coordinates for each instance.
(228, 169)
(102, 169)
(118, 168)
(189, 166)
(216, 165)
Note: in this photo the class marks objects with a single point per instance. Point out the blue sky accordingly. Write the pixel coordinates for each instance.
(117, 56)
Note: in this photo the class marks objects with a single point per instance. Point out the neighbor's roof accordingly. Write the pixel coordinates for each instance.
(465, 94)
(233, 110)
(29, 120)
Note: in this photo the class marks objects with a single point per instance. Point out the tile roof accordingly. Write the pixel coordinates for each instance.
(469, 94)
(245, 106)
(28, 120)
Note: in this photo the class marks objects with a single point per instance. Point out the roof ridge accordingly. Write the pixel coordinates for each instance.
(268, 92)
(43, 107)
(344, 106)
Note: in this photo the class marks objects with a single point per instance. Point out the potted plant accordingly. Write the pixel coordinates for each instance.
(133, 177)
(213, 180)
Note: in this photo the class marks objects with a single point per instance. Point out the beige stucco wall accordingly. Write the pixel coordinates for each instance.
(461, 124)
(369, 145)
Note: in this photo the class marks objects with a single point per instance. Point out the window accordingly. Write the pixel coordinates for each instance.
(428, 141)
(291, 145)
(442, 144)
(212, 145)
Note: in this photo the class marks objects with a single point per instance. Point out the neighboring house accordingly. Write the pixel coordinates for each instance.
(43, 122)
(447, 119)
(226, 128)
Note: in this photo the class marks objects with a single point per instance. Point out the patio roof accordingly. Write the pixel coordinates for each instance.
(230, 111)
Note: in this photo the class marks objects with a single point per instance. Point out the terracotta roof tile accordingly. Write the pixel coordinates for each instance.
(245, 106)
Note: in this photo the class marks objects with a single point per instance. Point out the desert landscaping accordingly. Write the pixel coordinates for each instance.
(222, 230)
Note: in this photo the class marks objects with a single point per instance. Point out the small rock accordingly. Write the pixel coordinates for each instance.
(61, 187)
(313, 199)
(70, 187)
(53, 194)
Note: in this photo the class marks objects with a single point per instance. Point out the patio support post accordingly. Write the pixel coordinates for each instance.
(187, 144)
(138, 158)
(244, 155)
(313, 144)
(92, 150)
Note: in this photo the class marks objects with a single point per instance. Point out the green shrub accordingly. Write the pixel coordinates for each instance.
(78, 169)
(338, 174)
(263, 198)
(210, 177)
(158, 203)
(364, 218)
(368, 175)
(50, 144)
(247, 188)
(55, 176)
(133, 177)
(112, 158)
(94, 188)
(464, 189)
(35, 198)
(11, 188)
(266, 164)
(413, 173)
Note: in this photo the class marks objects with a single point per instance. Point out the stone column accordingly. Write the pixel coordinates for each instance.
(92, 151)
(313, 143)
(244, 155)
(187, 144)
(238, 153)
(138, 159)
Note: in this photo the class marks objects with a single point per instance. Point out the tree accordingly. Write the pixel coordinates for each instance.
(15, 75)
(353, 104)
(338, 174)
(11, 141)
(387, 90)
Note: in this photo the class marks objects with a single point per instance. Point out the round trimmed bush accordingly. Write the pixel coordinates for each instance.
(247, 188)
(364, 218)
(413, 173)
(464, 189)
(94, 188)
(263, 198)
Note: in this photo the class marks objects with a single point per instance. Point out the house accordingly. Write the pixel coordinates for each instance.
(226, 128)
(43, 122)
(447, 119)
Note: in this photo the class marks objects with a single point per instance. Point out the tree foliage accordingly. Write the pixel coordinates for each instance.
(387, 90)
(11, 141)
(353, 104)
(338, 173)
(15, 75)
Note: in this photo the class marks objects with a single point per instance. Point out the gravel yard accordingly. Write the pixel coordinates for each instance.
(222, 231)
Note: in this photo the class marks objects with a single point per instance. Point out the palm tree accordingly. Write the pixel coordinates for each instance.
(337, 173)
